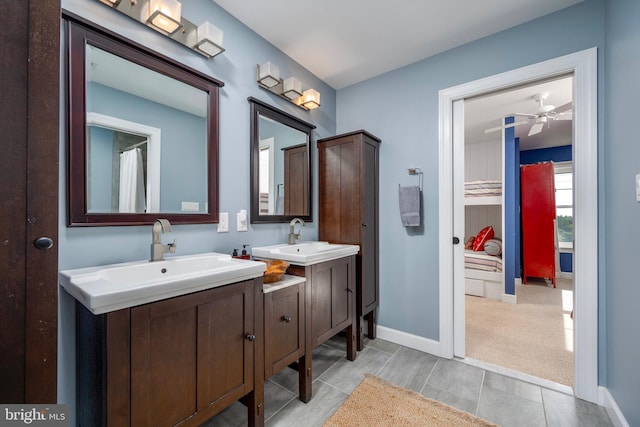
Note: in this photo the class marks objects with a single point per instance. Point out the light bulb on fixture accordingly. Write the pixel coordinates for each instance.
(112, 3)
(164, 15)
(209, 39)
(310, 99)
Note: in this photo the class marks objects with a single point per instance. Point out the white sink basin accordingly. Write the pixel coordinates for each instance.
(305, 253)
(111, 287)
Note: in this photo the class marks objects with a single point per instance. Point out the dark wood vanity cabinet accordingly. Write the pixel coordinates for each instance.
(348, 212)
(330, 305)
(176, 361)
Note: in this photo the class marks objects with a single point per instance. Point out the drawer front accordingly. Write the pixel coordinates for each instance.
(284, 327)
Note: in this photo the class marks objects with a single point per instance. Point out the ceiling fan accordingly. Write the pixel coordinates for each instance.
(541, 116)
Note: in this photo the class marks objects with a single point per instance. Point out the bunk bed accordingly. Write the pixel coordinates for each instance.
(484, 275)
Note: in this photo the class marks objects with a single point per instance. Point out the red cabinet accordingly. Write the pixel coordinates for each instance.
(538, 210)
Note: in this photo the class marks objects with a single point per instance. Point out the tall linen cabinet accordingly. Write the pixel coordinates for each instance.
(348, 212)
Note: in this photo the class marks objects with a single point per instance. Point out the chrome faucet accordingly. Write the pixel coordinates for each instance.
(157, 248)
(292, 235)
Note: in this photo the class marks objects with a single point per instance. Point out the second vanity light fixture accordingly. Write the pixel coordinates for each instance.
(165, 17)
(289, 88)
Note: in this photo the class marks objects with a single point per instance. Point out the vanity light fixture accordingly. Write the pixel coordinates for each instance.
(209, 39)
(311, 98)
(165, 17)
(292, 88)
(268, 78)
(268, 75)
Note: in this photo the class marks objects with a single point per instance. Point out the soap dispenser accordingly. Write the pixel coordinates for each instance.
(235, 254)
(245, 254)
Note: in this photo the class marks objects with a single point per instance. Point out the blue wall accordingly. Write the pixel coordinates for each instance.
(401, 107)
(620, 214)
(511, 195)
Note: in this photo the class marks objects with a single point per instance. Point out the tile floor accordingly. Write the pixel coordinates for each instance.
(494, 397)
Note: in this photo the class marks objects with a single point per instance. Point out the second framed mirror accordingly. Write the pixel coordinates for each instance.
(280, 165)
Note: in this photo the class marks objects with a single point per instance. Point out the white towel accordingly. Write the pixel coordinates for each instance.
(409, 200)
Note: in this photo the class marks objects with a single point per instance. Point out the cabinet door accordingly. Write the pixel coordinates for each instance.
(296, 185)
(368, 257)
(190, 352)
(283, 327)
(339, 191)
(332, 298)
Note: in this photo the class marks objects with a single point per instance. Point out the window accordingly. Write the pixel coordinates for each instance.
(564, 203)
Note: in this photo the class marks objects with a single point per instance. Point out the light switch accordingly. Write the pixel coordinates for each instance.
(638, 188)
(242, 220)
(223, 222)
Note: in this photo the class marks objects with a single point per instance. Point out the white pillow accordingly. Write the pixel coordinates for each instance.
(493, 247)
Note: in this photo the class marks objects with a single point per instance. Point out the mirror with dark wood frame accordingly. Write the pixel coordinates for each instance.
(280, 165)
(143, 134)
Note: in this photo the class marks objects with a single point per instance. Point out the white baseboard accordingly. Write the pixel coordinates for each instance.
(606, 399)
(409, 340)
(564, 275)
(508, 298)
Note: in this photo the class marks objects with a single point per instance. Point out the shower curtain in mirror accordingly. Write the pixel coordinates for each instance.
(132, 197)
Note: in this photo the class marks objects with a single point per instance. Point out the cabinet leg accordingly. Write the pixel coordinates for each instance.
(372, 322)
(359, 333)
(305, 377)
(351, 342)
(255, 406)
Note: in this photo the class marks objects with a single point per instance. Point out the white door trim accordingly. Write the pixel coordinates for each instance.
(583, 65)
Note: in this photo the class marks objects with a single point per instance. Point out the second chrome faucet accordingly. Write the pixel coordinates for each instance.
(293, 237)
(157, 248)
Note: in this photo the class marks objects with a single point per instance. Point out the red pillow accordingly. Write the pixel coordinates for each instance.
(484, 235)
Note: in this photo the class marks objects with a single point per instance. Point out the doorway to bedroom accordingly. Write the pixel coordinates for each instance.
(583, 66)
(523, 327)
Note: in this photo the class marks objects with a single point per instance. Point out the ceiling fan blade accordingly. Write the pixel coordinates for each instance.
(536, 128)
(510, 125)
(566, 107)
(527, 115)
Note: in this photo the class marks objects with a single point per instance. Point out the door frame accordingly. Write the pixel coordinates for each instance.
(583, 66)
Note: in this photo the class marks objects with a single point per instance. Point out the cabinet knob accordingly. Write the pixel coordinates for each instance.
(286, 319)
(251, 337)
(43, 243)
(349, 290)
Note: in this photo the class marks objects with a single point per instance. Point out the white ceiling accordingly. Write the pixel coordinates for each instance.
(344, 42)
(487, 112)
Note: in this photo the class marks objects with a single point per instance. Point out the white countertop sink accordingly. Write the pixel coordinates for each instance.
(305, 253)
(112, 287)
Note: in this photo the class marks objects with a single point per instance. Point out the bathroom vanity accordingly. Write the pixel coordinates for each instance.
(329, 272)
(175, 360)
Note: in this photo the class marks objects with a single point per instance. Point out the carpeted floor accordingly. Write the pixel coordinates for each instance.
(534, 336)
(378, 403)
